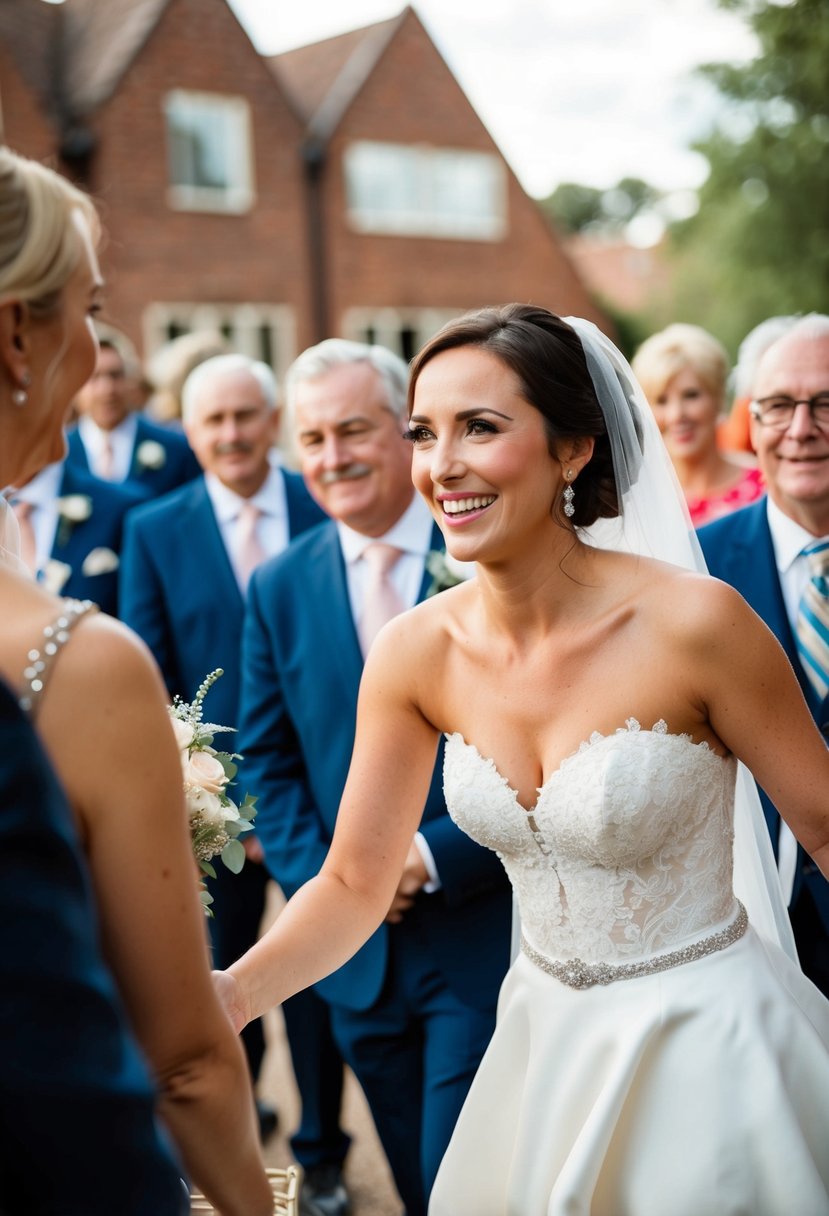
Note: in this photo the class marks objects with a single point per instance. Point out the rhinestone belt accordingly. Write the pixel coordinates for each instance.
(578, 974)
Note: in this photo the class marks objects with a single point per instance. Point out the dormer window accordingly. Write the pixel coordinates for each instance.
(209, 152)
(416, 190)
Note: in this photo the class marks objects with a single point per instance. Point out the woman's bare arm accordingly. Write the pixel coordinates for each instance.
(104, 721)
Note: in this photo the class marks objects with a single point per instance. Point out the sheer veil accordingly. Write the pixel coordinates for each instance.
(10, 537)
(655, 522)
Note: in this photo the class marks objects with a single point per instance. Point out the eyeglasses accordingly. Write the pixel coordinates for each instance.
(777, 412)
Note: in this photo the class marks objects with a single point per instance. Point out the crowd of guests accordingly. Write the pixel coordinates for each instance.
(200, 535)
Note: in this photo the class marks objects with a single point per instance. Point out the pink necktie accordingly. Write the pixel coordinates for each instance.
(106, 460)
(248, 548)
(381, 601)
(28, 544)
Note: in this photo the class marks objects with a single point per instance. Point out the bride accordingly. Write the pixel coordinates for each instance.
(656, 1049)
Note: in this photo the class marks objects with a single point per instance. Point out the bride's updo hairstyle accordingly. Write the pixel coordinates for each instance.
(545, 354)
(39, 245)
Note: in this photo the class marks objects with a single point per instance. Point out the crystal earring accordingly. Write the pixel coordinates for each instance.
(20, 395)
(568, 496)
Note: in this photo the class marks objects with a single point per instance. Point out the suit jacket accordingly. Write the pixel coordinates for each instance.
(102, 530)
(739, 550)
(178, 465)
(180, 594)
(76, 1105)
(301, 673)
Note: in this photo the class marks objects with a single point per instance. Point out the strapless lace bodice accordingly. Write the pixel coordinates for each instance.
(627, 851)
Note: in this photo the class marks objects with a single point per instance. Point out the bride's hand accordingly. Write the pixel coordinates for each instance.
(231, 999)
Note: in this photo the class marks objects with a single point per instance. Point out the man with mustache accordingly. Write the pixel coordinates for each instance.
(776, 553)
(413, 1011)
(185, 568)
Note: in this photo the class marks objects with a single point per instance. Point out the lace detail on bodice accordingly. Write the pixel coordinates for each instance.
(627, 851)
(40, 659)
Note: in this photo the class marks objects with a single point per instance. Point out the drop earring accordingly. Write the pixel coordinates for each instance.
(568, 496)
(19, 395)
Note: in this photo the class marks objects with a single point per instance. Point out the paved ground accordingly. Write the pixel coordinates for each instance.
(367, 1174)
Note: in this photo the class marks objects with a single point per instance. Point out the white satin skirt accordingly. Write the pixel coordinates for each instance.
(698, 1091)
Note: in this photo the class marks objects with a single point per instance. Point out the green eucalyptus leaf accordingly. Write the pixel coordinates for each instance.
(233, 855)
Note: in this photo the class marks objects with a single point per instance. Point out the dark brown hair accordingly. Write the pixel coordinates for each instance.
(546, 356)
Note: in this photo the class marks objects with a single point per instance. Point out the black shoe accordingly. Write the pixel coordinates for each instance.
(268, 1120)
(323, 1192)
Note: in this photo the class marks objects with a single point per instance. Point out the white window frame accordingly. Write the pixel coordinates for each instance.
(245, 320)
(424, 216)
(387, 324)
(238, 194)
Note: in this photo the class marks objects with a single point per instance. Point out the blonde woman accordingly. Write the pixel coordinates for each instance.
(99, 707)
(683, 371)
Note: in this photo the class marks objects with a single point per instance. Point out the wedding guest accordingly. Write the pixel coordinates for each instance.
(99, 707)
(735, 431)
(657, 1048)
(71, 525)
(212, 534)
(76, 1105)
(115, 441)
(683, 371)
(414, 1010)
(776, 553)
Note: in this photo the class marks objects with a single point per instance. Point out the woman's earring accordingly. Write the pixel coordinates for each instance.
(568, 496)
(20, 395)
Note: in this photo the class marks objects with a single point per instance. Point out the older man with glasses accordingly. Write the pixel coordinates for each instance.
(776, 553)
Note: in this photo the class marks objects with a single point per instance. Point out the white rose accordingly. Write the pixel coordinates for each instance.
(205, 770)
(183, 732)
(75, 507)
(150, 454)
(204, 803)
(99, 561)
(54, 575)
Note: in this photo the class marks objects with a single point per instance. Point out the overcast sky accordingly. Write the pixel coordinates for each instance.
(571, 90)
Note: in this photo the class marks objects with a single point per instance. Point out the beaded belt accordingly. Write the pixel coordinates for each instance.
(578, 974)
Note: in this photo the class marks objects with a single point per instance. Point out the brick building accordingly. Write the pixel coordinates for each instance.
(347, 187)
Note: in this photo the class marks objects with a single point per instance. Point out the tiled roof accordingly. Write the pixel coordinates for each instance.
(102, 39)
(322, 79)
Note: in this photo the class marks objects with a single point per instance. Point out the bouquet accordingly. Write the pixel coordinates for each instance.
(216, 822)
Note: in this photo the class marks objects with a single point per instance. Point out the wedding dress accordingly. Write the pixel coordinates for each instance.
(689, 1075)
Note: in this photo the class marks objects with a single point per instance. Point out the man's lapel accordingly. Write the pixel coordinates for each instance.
(208, 548)
(436, 545)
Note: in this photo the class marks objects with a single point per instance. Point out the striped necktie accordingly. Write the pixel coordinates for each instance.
(812, 627)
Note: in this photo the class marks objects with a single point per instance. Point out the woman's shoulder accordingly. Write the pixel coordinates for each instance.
(690, 604)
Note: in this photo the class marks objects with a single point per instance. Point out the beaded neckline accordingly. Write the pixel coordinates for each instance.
(40, 659)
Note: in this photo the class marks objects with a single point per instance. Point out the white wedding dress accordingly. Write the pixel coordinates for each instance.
(693, 1078)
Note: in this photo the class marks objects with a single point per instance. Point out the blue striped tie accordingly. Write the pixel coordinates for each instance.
(812, 628)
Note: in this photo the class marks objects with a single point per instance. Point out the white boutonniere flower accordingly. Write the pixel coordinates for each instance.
(54, 575)
(99, 561)
(150, 454)
(72, 509)
(446, 572)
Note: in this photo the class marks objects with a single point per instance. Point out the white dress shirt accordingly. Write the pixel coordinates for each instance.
(413, 535)
(272, 526)
(42, 493)
(122, 439)
(789, 540)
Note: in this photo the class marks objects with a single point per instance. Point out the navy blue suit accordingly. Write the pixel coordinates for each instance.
(103, 529)
(301, 672)
(739, 550)
(180, 594)
(77, 1126)
(179, 465)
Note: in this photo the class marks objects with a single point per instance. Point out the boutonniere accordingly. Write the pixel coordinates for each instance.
(446, 572)
(54, 575)
(99, 561)
(72, 509)
(150, 454)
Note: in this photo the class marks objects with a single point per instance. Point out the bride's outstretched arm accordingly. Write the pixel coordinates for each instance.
(329, 918)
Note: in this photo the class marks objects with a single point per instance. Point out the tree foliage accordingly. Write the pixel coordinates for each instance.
(759, 243)
(577, 208)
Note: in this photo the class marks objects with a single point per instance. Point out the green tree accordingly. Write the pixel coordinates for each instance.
(577, 208)
(759, 243)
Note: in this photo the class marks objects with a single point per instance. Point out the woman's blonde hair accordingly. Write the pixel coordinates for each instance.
(672, 350)
(39, 245)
